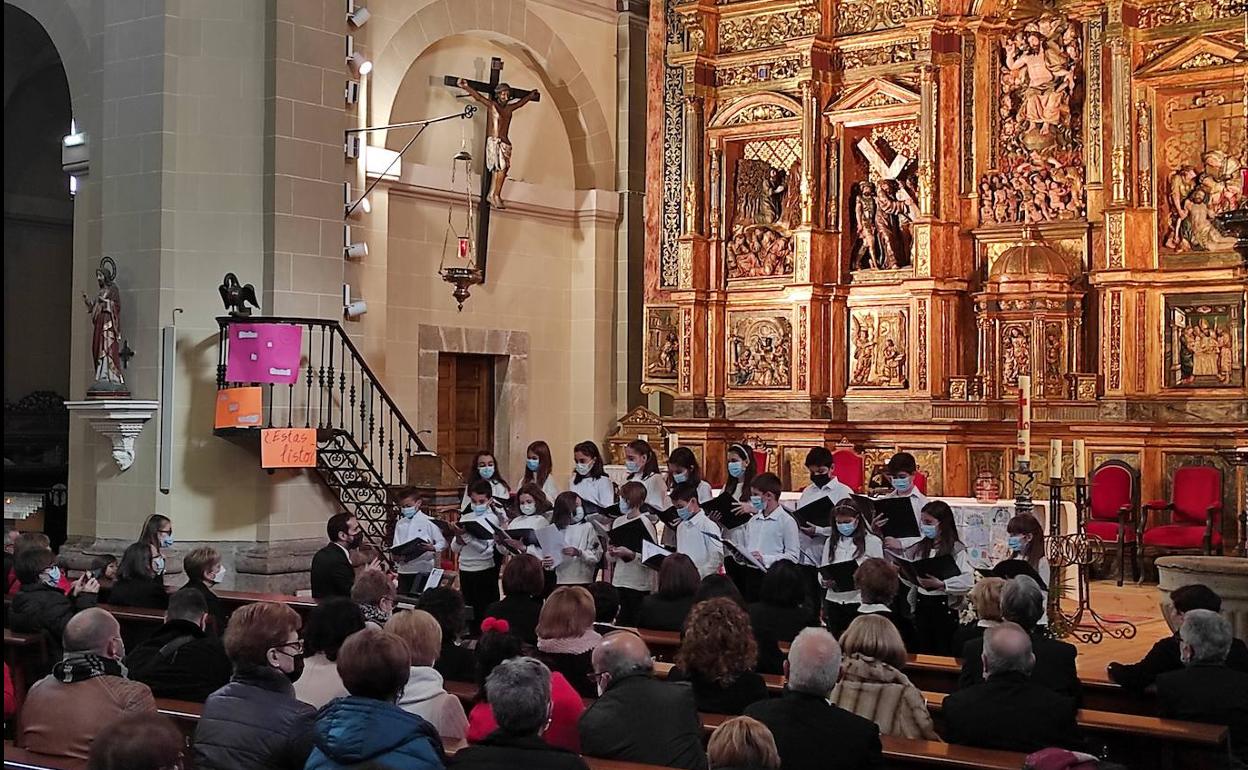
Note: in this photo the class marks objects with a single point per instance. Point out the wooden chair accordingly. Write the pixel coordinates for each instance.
(1113, 500)
(849, 467)
(1194, 510)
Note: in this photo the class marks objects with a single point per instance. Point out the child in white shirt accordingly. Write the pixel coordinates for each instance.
(631, 578)
(853, 541)
(696, 535)
(478, 569)
(414, 523)
(582, 550)
(589, 479)
(485, 468)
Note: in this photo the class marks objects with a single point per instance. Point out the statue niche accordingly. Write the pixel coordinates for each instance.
(767, 209)
(883, 204)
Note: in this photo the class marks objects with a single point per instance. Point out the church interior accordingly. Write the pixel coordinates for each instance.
(269, 262)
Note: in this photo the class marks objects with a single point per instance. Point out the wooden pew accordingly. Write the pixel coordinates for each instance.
(775, 682)
(26, 656)
(21, 759)
(185, 714)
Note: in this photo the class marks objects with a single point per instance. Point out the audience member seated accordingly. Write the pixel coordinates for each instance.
(446, 605)
(717, 656)
(1164, 655)
(566, 637)
(872, 684)
(255, 721)
(40, 606)
(810, 732)
(666, 609)
(524, 581)
(65, 711)
(521, 704)
(498, 644)
(22, 542)
(781, 612)
(204, 570)
(329, 625)
(10, 693)
(181, 660)
(139, 742)
(742, 743)
(716, 586)
(139, 584)
(636, 717)
(606, 605)
(367, 726)
(985, 598)
(1009, 711)
(374, 593)
(104, 570)
(878, 583)
(1206, 689)
(424, 695)
(1022, 602)
(332, 573)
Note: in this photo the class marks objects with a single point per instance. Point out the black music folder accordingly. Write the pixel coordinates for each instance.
(899, 511)
(739, 553)
(631, 534)
(840, 575)
(816, 513)
(481, 529)
(939, 567)
(610, 511)
(409, 550)
(653, 555)
(1011, 568)
(669, 516)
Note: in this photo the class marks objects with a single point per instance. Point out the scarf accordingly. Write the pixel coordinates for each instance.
(571, 645)
(375, 614)
(81, 666)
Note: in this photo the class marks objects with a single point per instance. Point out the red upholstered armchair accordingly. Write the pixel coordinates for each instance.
(849, 467)
(1113, 501)
(920, 482)
(760, 461)
(1195, 508)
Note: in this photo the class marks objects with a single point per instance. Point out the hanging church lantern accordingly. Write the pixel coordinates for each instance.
(463, 271)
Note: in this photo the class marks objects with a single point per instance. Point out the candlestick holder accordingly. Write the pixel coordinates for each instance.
(1055, 507)
(1078, 551)
(1024, 479)
(1081, 501)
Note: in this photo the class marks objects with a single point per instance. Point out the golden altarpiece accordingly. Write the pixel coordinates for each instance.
(868, 218)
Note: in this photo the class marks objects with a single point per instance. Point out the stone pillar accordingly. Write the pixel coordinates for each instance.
(1227, 576)
(631, 30)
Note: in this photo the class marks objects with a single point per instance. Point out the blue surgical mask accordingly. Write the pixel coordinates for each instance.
(1014, 542)
(757, 502)
(532, 463)
(929, 531)
(684, 513)
(408, 511)
(624, 506)
(902, 485)
(582, 469)
(680, 478)
(166, 541)
(528, 509)
(579, 514)
(480, 507)
(846, 528)
(158, 565)
(631, 466)
(485, 471)
(52, 576)
(736, 468)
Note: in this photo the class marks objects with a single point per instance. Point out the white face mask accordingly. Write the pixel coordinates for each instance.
(220, 574)
(528, 509)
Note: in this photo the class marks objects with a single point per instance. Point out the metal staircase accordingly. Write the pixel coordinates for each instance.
(364, 442)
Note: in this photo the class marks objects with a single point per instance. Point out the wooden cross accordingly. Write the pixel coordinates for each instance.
(487, 177)
(886, 170)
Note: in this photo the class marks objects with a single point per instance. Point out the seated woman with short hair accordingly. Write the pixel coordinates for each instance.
(138, 584)
(424, 694)
(521, 605)
(329, 625)
(717, 656)
(742, 743)
(872, 685)
(566, 637)
(667, 608)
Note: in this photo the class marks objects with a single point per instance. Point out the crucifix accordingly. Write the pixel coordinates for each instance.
(887, 170)
(500, 101)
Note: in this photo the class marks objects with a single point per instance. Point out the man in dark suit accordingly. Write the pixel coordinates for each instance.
(1009, 711)
(332, 574)
(1164, 655)
(1206, 690)
(810, 732)
(1022, 602)
(636, 717)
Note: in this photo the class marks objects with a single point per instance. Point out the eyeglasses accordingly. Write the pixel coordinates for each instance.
(297, 646)
(596, 676)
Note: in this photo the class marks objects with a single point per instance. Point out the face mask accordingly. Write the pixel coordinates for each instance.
(929, 531)
(408, 511)
(847, 528)
(820, 479)
(631, 466)
(582, 469)
(296, 670)
(486, 471)
(757, 502)
(528, 509)
(684, 513)
(166, 541)
(220, 575)
(579, 514)
(902, 485)
(158, 565)
(625, 507)
(680, 478)
(736, 469)
(52, 576)
(1014, 542)
(480, 507)
(532, 463)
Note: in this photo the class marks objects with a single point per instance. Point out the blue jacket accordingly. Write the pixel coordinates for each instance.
(353, 730)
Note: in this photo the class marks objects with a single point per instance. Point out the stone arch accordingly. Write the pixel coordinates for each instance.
(529, 38)
(61, 24)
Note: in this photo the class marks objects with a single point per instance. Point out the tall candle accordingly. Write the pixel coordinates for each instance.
(1055, 458)
(1081, 468)
(1024, 418)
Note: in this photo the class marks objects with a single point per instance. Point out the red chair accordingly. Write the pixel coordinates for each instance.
(920, 482)
(1195, 508)
(849, 467)
(1113, 499)
(760, 460)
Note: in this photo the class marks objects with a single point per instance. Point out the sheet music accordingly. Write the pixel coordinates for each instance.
(552, 542)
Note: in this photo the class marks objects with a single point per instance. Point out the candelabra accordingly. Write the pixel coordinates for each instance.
(1024, 478)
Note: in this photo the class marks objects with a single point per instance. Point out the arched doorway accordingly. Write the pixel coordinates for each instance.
(38, 259)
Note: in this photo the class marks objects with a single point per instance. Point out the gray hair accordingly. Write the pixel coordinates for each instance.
(623, 655)
(814, 662)
(1208, 634)
(1007, 647)
(1022, 601)
(519, 694)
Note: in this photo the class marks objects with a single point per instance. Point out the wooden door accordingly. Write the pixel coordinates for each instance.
(465, 407)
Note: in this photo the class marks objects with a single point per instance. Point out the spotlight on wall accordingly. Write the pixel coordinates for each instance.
(358, 17)
(354, 208)
(352, 92)
(352, 249)
(351, 146)
(352, 309)
(359, 65)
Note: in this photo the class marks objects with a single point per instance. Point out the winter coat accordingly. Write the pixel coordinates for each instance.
(501, 751)
(254, 722)
(38, 608)
(874, 690)
(425, 697)
(180, 661)
(353, 730)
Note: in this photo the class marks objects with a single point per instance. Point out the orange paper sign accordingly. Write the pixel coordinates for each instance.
(238, 408)
(288, 448)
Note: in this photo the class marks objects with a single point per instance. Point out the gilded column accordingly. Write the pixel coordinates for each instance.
(810, 152)
(692, 187)
(927, 139)
(1119, 106)
(1094, 134)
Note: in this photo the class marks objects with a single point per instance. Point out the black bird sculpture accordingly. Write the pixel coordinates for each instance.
(235, 296)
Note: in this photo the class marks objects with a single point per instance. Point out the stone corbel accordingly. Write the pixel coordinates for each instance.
(120, 420)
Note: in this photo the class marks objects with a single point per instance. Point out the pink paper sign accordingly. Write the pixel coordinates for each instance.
(264, 353)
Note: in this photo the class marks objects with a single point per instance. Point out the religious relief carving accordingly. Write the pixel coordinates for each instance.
(1054, 361)
(922, 344)
(745, 74)
(1114, 377)
(1204, 150)
(1187, 11)
(749, 33)
(801, 347)
(673, 149)
(880, 55)
(1039, 173)
(884, 206)
(856, 16)
(1015, 353)
(686, 358)
(1204, 340)
(760, 350)
(760, 113)
(767, 208)
(662, 343)
(878, 344)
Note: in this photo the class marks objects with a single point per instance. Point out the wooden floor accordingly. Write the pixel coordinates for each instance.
(1137, 603)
